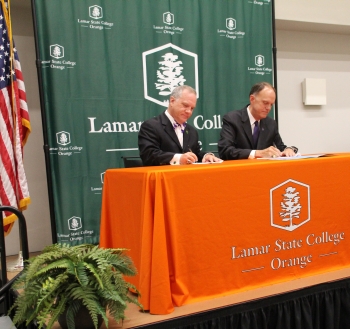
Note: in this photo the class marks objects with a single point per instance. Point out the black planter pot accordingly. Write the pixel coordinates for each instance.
(82, 320)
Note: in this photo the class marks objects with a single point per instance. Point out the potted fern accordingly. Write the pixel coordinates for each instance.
(63, 281)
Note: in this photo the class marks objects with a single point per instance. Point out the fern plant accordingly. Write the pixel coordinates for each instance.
(65, 278)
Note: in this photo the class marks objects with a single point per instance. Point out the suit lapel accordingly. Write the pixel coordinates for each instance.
(247, 127)
(169, 129)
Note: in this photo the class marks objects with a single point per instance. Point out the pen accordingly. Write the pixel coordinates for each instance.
(191, 152)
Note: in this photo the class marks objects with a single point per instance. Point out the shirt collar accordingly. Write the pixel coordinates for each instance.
(251, 118)
(172, 120)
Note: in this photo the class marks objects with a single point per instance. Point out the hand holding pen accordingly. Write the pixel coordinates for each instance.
(188, 157)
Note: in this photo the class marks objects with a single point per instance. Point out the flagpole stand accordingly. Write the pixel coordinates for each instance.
(16, 265)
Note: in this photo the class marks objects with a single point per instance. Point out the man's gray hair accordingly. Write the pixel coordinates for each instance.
(177, 92)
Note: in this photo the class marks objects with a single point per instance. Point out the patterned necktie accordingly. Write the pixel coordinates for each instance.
(256, 134)
(179, 134)
(183, 126)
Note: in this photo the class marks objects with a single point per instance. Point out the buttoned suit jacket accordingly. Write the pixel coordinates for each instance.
(236, 138)
(158, 141)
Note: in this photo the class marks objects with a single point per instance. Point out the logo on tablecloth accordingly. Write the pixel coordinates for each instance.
(290, 205)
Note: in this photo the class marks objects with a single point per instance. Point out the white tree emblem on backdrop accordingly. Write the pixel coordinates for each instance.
(169, 74)
(95, 12)
(259, 60)
(168, 18)
(63, 138)
(162, 71)
(230, 23)
(291, 206)
(56, 51)
(74, 223)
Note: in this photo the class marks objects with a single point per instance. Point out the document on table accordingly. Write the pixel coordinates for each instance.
(296, 157)
(204, 163)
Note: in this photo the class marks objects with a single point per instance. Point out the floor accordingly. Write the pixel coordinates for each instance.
(135, 318)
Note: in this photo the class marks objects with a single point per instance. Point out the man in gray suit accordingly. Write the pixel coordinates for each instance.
(249, 133)
(168, 138)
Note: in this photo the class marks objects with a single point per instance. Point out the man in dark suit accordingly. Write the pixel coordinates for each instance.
(168, 138)
(249, 133)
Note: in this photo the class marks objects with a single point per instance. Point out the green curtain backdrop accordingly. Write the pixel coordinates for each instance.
(107, 65)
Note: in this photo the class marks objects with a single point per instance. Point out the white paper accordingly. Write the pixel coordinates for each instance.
(296, 157)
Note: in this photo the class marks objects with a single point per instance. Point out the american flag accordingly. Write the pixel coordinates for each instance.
(14, 124)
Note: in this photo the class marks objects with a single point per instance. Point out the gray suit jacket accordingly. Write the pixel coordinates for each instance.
(158, 141)
(236, 138)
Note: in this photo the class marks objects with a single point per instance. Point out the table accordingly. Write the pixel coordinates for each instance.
(203, 231)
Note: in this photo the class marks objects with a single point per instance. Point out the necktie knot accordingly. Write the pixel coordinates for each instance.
(182, 126)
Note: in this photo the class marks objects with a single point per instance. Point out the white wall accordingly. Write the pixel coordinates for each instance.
(314, 11)
(314, 55)
(306, 49)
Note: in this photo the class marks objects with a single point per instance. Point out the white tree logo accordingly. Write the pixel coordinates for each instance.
(95, 12)
(63, 138)
(290, 205)
(168, 18)
(169, 74)
(74, 223)
(56, 51)
(230, 23)
(163, 71)
(259, 60)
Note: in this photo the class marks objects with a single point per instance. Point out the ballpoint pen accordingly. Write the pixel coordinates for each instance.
(191, 152)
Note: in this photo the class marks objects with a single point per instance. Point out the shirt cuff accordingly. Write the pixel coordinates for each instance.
(176, 159)
(252, 155)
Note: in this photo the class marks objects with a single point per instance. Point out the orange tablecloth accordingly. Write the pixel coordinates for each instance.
(202, 231)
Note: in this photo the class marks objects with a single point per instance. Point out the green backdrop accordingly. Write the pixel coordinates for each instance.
(108, 65)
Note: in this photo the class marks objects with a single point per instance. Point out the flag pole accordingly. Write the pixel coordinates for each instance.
(45, 133)
(274, 56)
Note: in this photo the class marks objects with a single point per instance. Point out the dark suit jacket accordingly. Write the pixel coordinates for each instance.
(158, 141)
(236, 138)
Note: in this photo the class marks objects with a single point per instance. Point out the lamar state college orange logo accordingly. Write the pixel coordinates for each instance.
(290, 205)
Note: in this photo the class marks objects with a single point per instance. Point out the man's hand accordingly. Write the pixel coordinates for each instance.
(288, 152)
(211, 158)
(270, 152)
(188, 158)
